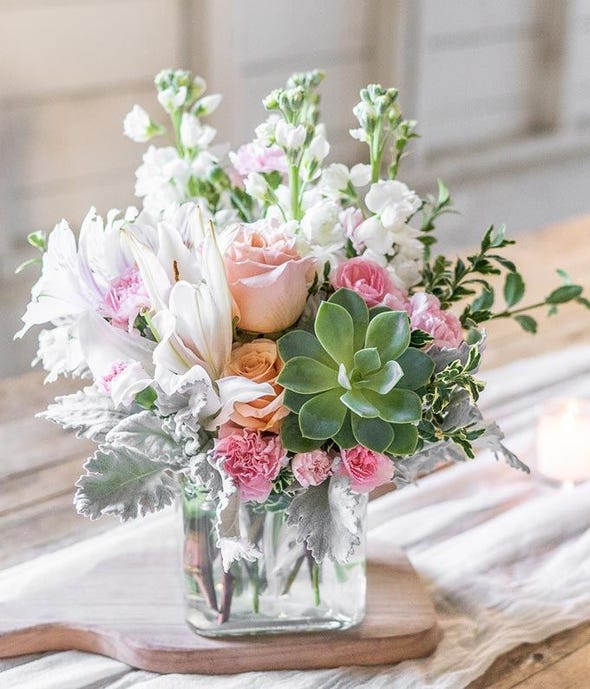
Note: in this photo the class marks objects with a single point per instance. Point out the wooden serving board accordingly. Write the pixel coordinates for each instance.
(128, 605)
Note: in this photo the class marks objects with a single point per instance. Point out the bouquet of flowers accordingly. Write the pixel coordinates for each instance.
(269, 330)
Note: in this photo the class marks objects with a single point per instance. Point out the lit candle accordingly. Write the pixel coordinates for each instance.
(563, 441)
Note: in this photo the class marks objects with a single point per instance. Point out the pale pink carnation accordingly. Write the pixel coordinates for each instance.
(366, 469)
(397, 300)
(253, 157)
(125, 299)
(426, 314)
(367, 278)
(311, 468)
(252, 460)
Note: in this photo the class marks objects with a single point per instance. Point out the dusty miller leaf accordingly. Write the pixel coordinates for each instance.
(492, 440)
(123, 482)
(144, 432)
(409, 469)
(328, 519)
(90, 412)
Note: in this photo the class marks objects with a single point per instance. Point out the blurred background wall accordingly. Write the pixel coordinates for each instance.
(501, 90)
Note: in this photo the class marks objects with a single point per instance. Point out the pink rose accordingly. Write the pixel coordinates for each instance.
(426, 314)
(125, 299)
(365, 277)
(253, 157)
(252, 460)
(311, 468)
(365, 468)
(268, 279)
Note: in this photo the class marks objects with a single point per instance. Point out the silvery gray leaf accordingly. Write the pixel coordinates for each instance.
(143, 432)
(90, 412)
(492, 440)
(123, 482)
(410, 469)
(328, 519)
(461, 411)
(444, 356)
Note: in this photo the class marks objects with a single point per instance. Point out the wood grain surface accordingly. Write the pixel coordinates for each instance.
(128, 605)
(40, 462)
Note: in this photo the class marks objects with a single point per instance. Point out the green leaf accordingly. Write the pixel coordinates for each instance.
(335, 331)
(485, 301)
(527, 323)
(367, 361)
(38, 240)
(384, 380)
(356, 307)
(405, 439)
(398, 406)
(357, 402)
(322, 416)
(584, 302)
(307, 376)
(124, 482)
(345, 437)
(389, 333)
(565, 276)
(513, 289)
(26, 264)
(146, 398)
(292, 439)
(374, 434)
(417, 366)
(294, 400)
(303, 343)
(563, 294)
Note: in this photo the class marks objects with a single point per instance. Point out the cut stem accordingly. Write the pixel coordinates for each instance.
(226, 597)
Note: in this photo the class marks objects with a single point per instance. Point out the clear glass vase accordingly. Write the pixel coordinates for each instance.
(283, 591)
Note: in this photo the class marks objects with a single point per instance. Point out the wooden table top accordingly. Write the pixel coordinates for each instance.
(41, 462)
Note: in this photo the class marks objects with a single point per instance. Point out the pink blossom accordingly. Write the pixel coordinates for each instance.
(365, 277)
(252, 460)
(365, 468)
(350, 219)
(253, 157)
(115, 370)
(125, 299)
(311, 468)
(426, 314)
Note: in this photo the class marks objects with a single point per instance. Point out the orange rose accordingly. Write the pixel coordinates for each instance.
(259, 361)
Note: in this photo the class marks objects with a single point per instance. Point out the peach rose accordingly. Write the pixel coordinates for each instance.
(268, 279)
(259, 361)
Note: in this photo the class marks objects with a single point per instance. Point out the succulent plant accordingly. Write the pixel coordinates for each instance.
(354, 381)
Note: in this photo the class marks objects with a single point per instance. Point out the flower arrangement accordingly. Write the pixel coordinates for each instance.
(269, 329)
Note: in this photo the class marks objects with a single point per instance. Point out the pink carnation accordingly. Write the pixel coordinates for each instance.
(106, 381)
(311, 468)
(365, 277)
(252, 460)
(426, 314)
(125, 299)
(253, 157)
(365, 468)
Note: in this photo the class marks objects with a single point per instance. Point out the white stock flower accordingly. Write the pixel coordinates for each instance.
(137, 125)
(171, 99)
(289, 136)
(265, 132)
(336, 179)
(256, 186)
(193, 134)
(321, 231)
(392, 201)
(318, 150)
(208, 104)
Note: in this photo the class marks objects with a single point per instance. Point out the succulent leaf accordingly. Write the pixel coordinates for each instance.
(384, 380)
(359, 404)
(334, 329)
(303, 343)
(405, 439)
(389, 333)
(294, 400)
(293, 440)
(307, 376)
(367, 361)
(417, 366)
(375, 434)
(345, 437)
(322, 416)
(397, 406)
(356, 307)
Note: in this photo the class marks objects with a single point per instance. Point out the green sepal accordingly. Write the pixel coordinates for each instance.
(405, 439)
(375, 434)
(322, 416)
(418, 368)
(292, 439)
(307, 376)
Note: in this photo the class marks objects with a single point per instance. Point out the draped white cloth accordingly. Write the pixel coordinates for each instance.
(505, 557)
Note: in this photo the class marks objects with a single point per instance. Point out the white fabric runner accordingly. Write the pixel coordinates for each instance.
(506, 560)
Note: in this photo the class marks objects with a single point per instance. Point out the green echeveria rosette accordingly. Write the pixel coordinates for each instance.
(354, 381)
